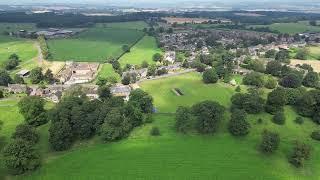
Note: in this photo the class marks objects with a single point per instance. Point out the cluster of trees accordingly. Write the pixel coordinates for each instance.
(36, 76)
(12, 62)
(20, 155)
(204, 117)
(251, 102)
(44, 47)
(33, 111)
(75, 117)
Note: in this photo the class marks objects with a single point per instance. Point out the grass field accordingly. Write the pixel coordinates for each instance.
(26, 50)
(177, 156)
(193, 88)
(292, 28)
(137, 25)
(95, 44)
(106, 70)
(142, 51)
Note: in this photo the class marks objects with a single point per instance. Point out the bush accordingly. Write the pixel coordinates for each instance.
(238, 89)
(210, 76)
(155, 131)
(238, 126)
(279, 118)
(315, 135)
(299, 120)
(301, 153)
(271, 83)
(27, 133)
(254, 79)
(148, 118)
(270, 142)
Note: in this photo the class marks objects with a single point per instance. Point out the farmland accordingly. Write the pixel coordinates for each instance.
(106, 71)
(26, 50)
(192, 156)
(291, 28)
(142, 51)
(135, 25)
(96, 44)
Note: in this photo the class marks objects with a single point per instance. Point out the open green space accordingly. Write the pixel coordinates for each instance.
(26, 50)
(291, 28)
(192, 87)
(106, 70)
(178, 156)
(138, 25)
(94, 44)
(142, 51)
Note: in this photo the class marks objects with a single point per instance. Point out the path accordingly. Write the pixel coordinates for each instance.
(40, 55)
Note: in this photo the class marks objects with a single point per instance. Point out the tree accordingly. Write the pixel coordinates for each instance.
(252, 103)
(32, 109)
(48, 76)
(271, 53)
(11, 64)
(313, 23)
(104, 92)
(257, 65)
(254, 79)
(19, 157)
(206, 59)
(200, 67)
(60, 135)
(315, 135)
(208, 116)
(283, 56)
(291, 80)
(279, 118)
(36, 75)
(126, 80)
(125, 48)
(26, 133)
(5, 78)
(183, 119)
(270, 142)
(152, 70)
(157, 57)
(144, 64)
(276, 100)
(155, 131)
(301, 153)
(142, 100)
(14, 57)
(274, 68)
(311, 79)
(116, 65)
(18, 79)
(238, 126)
(134, 115)
(271, 83)
(210, 76)
(115, 126)
(302, 54)
(238, 89)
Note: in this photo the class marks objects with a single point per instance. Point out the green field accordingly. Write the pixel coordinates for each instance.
(142, 51)
(177, 156)
(192, 86)
(106, 70)
(26, 50)
(138, 25)
(291, 28)
(94, 44)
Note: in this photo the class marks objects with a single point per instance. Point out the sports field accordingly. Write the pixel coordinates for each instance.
(177, 156)
(291, 28)
(95, 44)
(142, 51)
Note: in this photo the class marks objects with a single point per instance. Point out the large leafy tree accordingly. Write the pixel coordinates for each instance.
(19, 157)
(311, 80)
(5, 78)
(26, 133)
(184, 119)
(238, 126)
(208, 116)
(270, 142)
(210, 76)
(61, 136)
(291, 80)
(142, 100)
(32, 109)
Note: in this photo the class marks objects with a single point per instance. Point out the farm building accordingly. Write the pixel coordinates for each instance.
(77, 73)
(23, 73)
(121, 91)
(170, 56)
(17, 88)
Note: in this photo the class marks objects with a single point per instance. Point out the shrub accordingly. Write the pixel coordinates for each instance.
(27, 133)
(148, 118)
(301, 153)
(271, 83)
(279, 118)
(238, 89)
(155, 131)
(299, 120)
(238, 126)
(315, 135)
(270, 142)
(210, 76)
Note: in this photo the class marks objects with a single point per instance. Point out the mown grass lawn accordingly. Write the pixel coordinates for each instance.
(95, 44)
(142, 51)
(192, 87)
